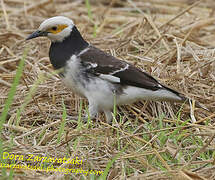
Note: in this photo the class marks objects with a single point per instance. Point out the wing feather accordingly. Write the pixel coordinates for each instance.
(98, 63)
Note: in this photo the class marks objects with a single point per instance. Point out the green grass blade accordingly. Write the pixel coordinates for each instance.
(12, 91)
(89, 12)
(89, 123)
(110, 163)
(62, 126)
(79, 116)
(28, 98)
(9, 100)
(89, 9)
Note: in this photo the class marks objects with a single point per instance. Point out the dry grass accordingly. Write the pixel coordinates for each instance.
(177, 36)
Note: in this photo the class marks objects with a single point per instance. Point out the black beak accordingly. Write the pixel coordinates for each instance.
(37, 34)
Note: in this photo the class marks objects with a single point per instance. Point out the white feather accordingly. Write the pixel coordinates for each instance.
(122, 69)
(54, 21)
(84, 51)
(110, 78)
(132, 94)
(71, 76)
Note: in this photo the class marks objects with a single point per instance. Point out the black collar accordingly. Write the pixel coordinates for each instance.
(60, 52)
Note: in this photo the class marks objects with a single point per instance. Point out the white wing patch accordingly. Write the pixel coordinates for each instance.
(91, 65)
(110, 78)
(83, 51)
(94, 65)
(122, 69)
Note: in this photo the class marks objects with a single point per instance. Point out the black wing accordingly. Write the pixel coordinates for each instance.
(101, 63)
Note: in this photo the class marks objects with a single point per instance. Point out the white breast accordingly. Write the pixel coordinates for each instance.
(72, 76)
(95, 89)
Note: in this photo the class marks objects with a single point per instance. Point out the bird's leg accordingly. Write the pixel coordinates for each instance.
(93, 111)
(108, 116)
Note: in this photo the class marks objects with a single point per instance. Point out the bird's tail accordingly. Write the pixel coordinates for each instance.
(182, 98)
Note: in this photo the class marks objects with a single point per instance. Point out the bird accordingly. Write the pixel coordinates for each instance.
(97, 75)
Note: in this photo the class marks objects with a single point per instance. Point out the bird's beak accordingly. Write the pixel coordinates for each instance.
(37, 34)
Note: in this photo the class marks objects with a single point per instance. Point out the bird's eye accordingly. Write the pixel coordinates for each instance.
(54, 28)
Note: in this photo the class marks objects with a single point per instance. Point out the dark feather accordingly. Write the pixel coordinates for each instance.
(61, 52)
(109, 65)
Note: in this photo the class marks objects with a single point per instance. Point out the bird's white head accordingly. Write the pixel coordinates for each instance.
(55, 28)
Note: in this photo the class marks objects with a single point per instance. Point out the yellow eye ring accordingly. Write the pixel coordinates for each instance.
(57, 29)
